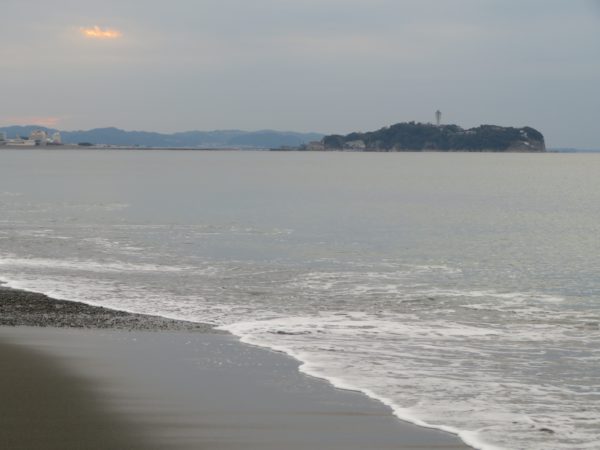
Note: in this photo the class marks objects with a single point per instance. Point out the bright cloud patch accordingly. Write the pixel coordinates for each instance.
(100, 33)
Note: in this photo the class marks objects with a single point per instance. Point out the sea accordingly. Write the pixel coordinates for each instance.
(460, 289)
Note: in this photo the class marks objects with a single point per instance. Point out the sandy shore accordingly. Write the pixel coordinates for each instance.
(106, 382)
(43, 406)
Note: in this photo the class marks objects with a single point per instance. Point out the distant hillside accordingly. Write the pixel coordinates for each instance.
(218, 139)
(426, 137)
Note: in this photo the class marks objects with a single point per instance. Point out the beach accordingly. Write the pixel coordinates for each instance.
(444, 309)
(94, 378)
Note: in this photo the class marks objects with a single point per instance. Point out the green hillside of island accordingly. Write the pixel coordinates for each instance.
(413, 136)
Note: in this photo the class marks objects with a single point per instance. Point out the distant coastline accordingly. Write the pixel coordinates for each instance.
(120, 147)
(36, 136)
(402, 137)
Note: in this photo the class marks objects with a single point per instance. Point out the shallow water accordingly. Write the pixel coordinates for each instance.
(460, 289)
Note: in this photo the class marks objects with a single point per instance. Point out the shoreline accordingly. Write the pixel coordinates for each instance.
(38, 324)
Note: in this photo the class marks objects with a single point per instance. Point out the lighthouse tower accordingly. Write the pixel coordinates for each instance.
(438, 117)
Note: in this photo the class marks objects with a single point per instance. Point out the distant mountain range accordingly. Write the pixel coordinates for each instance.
(199, 139)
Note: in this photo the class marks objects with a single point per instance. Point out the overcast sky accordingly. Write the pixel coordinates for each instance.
(302, 65)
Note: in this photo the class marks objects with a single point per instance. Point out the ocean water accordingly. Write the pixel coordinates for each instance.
(463, 290)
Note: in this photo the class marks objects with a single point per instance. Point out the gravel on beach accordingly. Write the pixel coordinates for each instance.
(22, 308)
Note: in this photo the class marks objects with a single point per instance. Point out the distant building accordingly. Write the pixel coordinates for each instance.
(315, 146)
(56, 139)
(438, 117)
(2, 137)
(355, 145)
(40, 137)
(18, 142)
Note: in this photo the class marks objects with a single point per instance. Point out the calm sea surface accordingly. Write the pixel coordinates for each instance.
(463, 290)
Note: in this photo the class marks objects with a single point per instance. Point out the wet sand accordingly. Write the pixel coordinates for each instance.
(101, 388)
(44, 407)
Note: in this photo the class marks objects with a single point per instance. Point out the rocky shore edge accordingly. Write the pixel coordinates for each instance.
(23, 308)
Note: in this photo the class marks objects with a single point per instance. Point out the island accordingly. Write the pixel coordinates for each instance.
(412, 136)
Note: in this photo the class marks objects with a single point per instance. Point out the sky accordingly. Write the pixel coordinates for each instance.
(330, 66)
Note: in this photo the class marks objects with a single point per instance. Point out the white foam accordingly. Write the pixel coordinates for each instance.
(76, 265)
(100, 206)
(424, 356)
(113, 245)
(519, 297)
(471, 438)
(421, 356)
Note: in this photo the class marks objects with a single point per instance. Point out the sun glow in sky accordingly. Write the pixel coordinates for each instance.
(46, 121)
(96, 32)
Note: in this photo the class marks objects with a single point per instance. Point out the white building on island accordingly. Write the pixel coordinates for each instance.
(40, 137)
(19, 142)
